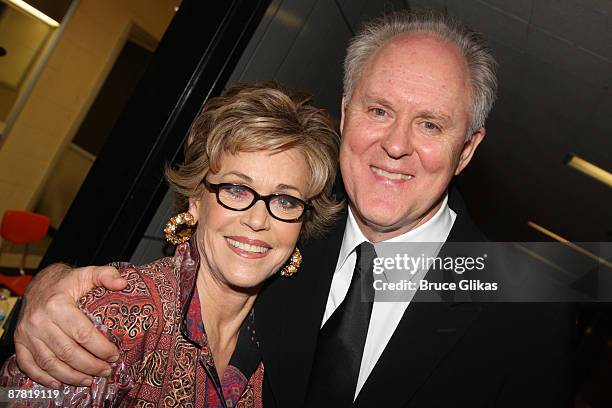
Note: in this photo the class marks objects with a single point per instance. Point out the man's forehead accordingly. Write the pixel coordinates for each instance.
(417, 39)
(408, 48)
(418, 57)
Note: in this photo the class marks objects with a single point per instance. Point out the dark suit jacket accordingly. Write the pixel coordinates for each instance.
(440, 355)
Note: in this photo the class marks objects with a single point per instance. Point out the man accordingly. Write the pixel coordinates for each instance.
(417, 90)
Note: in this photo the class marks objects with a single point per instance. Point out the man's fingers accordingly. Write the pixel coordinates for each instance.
(76, 357)
(50, 317)
(106, 276)
(49, 363)
(26, 363)
(75, 325)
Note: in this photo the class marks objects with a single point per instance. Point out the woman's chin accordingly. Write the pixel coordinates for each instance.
(246, 283)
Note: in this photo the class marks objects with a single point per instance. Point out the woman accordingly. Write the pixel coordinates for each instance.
(258, 173)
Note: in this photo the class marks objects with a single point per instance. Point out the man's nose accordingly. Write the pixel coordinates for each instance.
(257, 217)
(398, 141)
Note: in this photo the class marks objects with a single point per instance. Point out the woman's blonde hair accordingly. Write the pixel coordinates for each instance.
(262, 117)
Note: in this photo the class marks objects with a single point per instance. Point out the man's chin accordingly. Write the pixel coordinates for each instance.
(384, 220)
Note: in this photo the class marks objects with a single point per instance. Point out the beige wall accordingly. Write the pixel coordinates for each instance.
(66, 88)
(22, 36)
(63, 183)
(7, 98)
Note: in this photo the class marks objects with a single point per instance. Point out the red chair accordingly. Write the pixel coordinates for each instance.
(22, 227)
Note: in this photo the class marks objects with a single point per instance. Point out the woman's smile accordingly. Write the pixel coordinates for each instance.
(248, 248)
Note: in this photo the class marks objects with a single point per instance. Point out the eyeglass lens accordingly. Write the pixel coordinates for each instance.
(239, 197)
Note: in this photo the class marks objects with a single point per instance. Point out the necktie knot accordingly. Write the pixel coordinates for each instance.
(365, 256)
(363, 275)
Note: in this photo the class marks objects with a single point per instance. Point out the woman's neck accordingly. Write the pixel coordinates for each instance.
(223, 311)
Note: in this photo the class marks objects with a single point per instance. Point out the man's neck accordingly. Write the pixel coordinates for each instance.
(377, 233)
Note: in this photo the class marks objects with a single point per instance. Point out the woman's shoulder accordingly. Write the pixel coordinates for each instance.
(153, 280)
(146, 305)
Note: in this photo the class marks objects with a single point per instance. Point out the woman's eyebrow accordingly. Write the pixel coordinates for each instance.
(248, 179)
(239, 175)
(287, 187)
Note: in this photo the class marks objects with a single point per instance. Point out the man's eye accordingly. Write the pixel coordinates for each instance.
(430, 126)
(378, 111)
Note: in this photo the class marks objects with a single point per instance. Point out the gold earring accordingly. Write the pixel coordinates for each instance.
(290, 270)
(170, 230)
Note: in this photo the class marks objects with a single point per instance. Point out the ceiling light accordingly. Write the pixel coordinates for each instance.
(34, 12)
(569, 244)
(589, 169)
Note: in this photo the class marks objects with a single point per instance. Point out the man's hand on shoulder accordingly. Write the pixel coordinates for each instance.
(54, 341)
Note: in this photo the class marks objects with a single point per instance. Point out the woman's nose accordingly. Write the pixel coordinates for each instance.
(257, 217)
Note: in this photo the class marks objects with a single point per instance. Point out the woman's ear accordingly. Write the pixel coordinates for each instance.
(194, 207)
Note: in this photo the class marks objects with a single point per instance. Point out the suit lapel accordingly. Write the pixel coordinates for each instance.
(424, 335)
(289, 312)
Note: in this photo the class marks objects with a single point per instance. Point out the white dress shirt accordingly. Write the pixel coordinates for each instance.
(385, 315)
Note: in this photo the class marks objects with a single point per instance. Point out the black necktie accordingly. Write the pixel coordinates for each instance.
(335, 370)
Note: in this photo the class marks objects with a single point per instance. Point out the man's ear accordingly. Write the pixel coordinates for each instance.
(194, 207)
(342, 109)
(469, 148)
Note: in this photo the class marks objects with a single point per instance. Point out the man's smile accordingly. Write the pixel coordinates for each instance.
(390, 175)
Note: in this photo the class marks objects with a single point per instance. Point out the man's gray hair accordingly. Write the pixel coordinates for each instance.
(472, 45)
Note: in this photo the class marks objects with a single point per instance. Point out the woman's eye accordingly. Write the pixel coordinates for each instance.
(287, 202)
(238, 191)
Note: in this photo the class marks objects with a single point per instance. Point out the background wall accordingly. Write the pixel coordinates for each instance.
(64, 182)
(22, 35)
(66, 88)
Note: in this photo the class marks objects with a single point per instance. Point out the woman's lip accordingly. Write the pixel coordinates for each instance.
(246, 254)
(250, 241)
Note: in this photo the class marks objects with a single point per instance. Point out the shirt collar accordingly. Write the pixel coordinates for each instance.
(436, 229)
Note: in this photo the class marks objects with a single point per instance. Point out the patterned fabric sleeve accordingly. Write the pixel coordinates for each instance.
(105, 391)
(112, 315)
